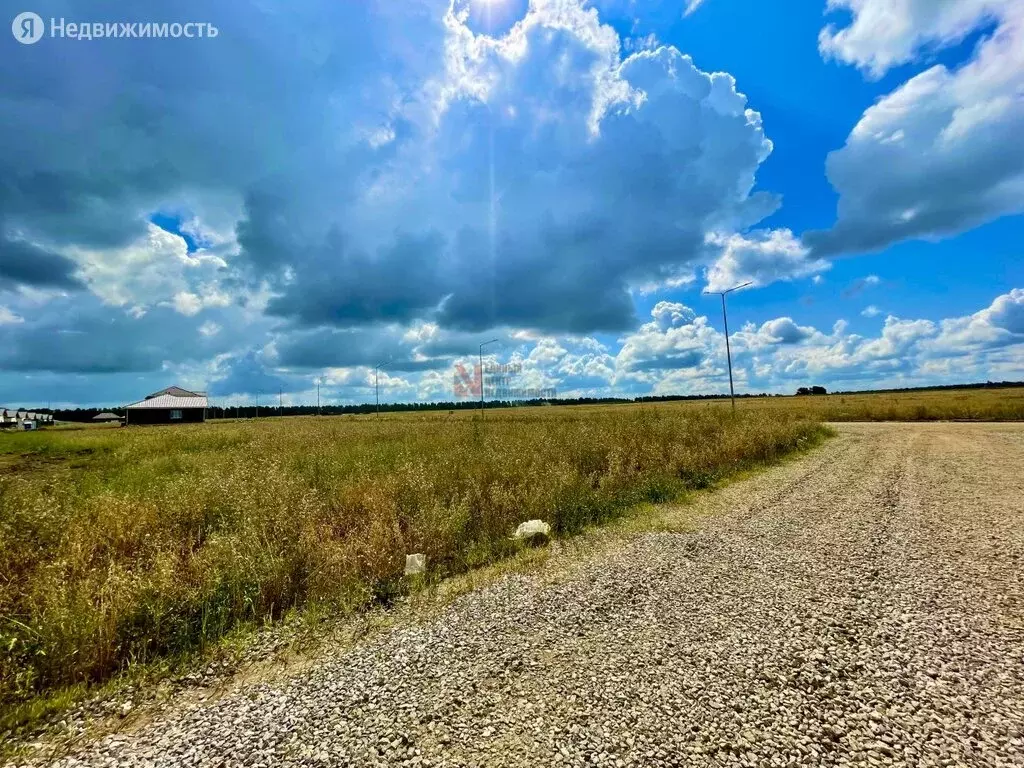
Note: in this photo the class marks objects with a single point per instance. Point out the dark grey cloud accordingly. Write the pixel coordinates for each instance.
(347, 348)
(546, 283)
(24, 263)
(668, 361)
(346, 287)
(77, 335)
(331, 348)
(98, 134)
(448, 344)
(248, 374)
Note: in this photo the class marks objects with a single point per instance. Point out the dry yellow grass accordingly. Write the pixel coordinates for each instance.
(118, 547)
(966, 404)
(124, 546)
(954, 404)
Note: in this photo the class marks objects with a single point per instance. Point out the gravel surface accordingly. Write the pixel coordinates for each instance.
(860, 606)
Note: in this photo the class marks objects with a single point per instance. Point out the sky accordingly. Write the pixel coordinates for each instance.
(322, 188)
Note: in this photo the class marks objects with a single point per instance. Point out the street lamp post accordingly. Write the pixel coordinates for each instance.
(376, 383)
(725, 322)
(484, 344)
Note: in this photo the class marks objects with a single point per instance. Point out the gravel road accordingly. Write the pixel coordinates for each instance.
(863, 605)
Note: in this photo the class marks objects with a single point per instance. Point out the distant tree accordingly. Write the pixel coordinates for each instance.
(812, 391)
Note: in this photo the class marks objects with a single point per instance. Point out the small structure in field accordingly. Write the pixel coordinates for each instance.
(23, 420)
(105, 418)
(172, 405)
(415, 565)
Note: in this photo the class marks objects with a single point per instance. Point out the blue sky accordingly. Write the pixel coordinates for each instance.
(315, 191)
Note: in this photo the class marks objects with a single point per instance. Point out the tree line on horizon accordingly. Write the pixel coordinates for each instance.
(251, 411)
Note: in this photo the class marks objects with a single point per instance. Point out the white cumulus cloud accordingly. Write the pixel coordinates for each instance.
(886, 33)
(760, 257)
(942, 153)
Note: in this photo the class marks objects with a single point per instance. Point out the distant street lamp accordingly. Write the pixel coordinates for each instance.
(492, 341)
(376, 382)
(725, 321)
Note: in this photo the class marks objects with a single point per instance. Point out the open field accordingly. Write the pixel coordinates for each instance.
(858, 606)
(967, 404)
(975, 404)
(123, 546)
(997, 404)
(940, 405)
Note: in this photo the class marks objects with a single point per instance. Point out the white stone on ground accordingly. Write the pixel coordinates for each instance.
(533, 531)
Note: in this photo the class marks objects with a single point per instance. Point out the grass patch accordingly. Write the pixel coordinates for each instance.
(135, 547)
(997, 404)
(144, 549)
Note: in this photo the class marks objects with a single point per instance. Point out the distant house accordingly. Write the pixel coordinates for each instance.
(26, 420)
(105, 418)
(175, 392)
(172, 405)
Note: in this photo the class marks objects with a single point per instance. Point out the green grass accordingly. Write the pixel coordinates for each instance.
(134, 546)
(138, 548)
